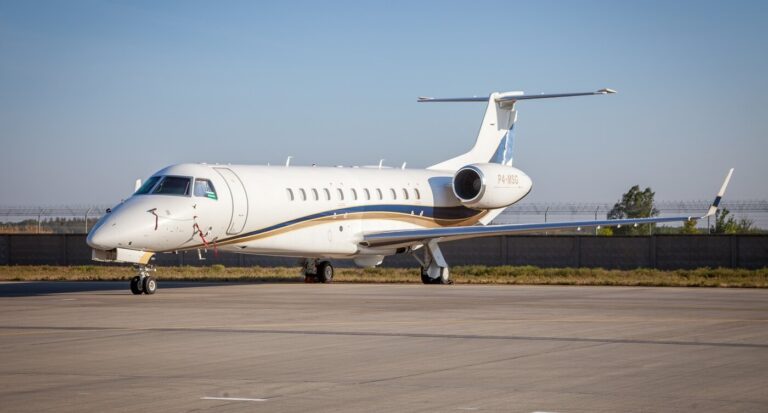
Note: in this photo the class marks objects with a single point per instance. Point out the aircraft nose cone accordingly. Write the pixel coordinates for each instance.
(102, 238)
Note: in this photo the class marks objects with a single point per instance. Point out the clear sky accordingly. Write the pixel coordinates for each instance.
(94, 94)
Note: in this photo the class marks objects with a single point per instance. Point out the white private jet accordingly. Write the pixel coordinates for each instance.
(323, 213)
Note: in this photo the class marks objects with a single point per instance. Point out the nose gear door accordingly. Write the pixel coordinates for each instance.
(239, 200)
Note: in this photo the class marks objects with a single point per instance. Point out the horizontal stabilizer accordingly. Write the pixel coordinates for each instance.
(515, 96)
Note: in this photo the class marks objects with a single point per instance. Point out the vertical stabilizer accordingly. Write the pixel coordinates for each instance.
(495, 140)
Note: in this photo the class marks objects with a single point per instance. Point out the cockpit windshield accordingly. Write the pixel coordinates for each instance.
(173, 185)
(204, 188)
(178, 185)
(148, 185)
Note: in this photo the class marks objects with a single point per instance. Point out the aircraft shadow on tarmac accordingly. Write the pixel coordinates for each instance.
(35, 288)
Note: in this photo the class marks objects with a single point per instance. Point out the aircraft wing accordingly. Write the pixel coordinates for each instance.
(409, 237)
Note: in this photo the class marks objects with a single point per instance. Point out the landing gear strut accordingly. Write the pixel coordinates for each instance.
(144, 282)
(316, 270)
(434, 268)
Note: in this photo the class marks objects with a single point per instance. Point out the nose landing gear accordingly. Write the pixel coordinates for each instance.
(144, 283)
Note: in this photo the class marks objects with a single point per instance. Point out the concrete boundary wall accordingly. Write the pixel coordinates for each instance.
(660, 251)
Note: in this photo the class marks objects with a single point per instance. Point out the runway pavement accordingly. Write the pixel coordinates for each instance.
(88, 346)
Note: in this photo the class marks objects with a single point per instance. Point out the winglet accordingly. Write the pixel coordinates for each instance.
(713, 208)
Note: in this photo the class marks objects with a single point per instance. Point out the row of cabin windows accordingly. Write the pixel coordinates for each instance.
(354, 195)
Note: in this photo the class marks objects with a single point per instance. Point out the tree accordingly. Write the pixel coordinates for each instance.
(689, 227)
(634, 204)
(727, 224)
(605, 231)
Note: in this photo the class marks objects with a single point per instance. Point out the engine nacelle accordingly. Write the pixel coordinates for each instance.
(490, 185)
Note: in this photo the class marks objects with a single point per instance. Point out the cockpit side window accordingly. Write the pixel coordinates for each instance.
(148, 185)
(204, 188)
(173, 185)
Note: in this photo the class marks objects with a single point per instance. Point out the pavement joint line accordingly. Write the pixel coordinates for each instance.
(233, 399)
(403, 335)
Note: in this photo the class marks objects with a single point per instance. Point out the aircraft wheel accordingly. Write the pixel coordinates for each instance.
(442, 279)
(135, 288)
(325, 272)
(425, 277)
(150, 285)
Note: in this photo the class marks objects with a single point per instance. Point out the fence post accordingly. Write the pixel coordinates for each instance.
(86, 219)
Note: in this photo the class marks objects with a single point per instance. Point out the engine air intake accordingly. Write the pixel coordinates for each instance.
(467, 184)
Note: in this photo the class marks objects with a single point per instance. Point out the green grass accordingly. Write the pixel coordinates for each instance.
(526, 275)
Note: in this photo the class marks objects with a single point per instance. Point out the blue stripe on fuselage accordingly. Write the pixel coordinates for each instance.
(457, 212)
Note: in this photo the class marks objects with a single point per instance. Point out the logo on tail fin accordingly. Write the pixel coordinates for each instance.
(503, 154)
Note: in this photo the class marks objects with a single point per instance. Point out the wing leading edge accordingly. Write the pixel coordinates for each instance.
(408, 237)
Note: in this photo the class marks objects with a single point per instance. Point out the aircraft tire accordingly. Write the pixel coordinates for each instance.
(425, 279)
(325, 272)
(150, 285)
(135, 285)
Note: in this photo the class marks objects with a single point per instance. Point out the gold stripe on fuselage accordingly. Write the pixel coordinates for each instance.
(427, 222)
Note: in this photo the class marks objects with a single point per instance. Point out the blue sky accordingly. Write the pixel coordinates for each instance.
(94, 94)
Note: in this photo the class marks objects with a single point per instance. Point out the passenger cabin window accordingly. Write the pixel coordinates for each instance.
(379, 194)
(405, 194)
(315, 196)
(416, 193)
(393, 193)
(204, 188)
(354, 194)
(303, 194)
(148, 185)
(289, 191)
(367, 194)
(341, 194)
(327, 194)
(173, 185)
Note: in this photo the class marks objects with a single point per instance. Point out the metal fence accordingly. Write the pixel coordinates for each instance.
(659, 251)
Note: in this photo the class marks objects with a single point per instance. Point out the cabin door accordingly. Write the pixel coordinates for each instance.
(239, 200)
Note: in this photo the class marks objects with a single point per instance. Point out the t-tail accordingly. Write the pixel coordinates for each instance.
(495, 140)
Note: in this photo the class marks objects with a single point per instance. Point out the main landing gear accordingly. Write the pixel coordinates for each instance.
(144, 283)
(434, 268)
(316, 270)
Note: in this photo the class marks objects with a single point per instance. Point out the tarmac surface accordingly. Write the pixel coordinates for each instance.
(92, 346)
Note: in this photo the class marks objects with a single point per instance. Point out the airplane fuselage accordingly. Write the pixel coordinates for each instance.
(310, 212)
